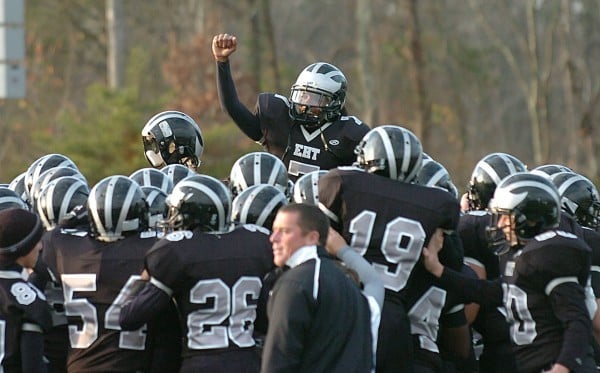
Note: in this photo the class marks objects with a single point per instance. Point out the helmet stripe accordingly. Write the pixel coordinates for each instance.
(214, 197)
(567, 183)
(123, 224)
(389, 151)
(264, 214)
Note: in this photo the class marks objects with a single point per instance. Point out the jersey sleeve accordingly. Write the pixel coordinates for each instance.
(330, 201)
(568, 304)
(164, 264)
(247, 121)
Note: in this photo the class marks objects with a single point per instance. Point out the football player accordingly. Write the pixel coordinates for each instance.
(309, 130)
(491, 324)
(24, 314)
(98, 264)
(388, 220)
(543, 275)
(214, 274)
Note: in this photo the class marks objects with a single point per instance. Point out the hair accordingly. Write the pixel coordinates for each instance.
(310, 218)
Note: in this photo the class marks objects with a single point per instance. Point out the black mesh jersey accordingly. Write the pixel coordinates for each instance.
(471, 228)
(385, 220)
(215, 280)
(303, 151)
(96, 278)
(592, 238)
(22, 305)
(544, 298)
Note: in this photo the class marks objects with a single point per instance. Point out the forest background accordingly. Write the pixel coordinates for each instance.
(468, 77)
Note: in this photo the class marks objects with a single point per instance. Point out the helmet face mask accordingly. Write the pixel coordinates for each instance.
(318, 95)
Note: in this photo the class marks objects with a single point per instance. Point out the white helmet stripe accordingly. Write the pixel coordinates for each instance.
(213, 197)
(256, 172)
(64, 206)
(123, 224)
(490, 171)
(508, 162)
(264, 214)
(389, 151)
(93, 207)
(437, 176)
(548, 189)
(572, 180)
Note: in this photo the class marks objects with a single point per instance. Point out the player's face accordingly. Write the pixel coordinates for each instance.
(506, 223)
(287, 237)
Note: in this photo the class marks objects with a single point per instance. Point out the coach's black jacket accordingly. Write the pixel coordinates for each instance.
(319, 321)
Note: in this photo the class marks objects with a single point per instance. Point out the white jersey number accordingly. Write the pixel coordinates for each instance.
(401, 245)
(83, 308)
(204, 325)
(522, 325)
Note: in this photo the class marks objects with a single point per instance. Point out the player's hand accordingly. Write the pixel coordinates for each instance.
(335, 242)
(464, 202)
(431, 260)
(223, 45)
(558, 368)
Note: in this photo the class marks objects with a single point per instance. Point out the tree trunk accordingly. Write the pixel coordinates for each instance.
(365, 71)
(265, 6)
(423, 120)
(115, 26)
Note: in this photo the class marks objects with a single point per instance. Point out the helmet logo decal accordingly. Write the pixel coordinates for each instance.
(165, 129)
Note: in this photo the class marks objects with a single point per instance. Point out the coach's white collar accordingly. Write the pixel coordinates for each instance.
(302, 255)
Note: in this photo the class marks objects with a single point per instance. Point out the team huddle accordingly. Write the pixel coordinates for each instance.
(340, 247)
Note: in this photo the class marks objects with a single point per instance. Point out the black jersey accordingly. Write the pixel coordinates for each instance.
(271, 125)
(471, 228)
(592, 238)
(543, 288)
(22, 307)
(389, 222)
(215, 280)
(96, 278)
(385, 220)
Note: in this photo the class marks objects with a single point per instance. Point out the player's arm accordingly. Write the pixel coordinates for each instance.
(568, 304)
(455, 337)
(32, 348)
(372, 283)
(149, 302)
(223, 46)
(469, 290)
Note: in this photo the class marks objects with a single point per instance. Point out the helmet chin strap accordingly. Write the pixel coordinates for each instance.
(155, 159)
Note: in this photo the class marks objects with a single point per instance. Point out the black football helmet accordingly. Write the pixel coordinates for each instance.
(153, 177)
(18, 186)
(59, 197)
(578, 197)
(177, 171)
(116, 208)
(487, 174)
(9, 199)
(390, 151)
(434, 174)
(318, 95)
(47, 176)
(157, 205)
(199, 201)
(530, 200)
(172, 137)
(42, 164)
(306, 188)
(258, 168)
(258, 205)
(551, 169)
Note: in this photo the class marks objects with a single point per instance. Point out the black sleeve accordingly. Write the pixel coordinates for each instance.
(261, 323)
(289, 320)
(32, 352)
(143, 307)
(164, 341)
(468, 290)
(568, 304)
(243, 118)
